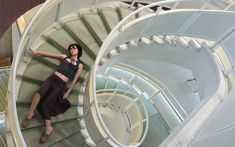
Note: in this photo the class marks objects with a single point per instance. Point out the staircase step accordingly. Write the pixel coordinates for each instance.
(144, 12)
(122, 48)
(5, 78)
(88, 57)
(97, 26)
(132, 44)
(66, 141)
(88, 43)
(145, 41)
(75, 139)
(104, 20)
(111, 16)
(60, 39)
(80, 111)
(181, 41)
(90, 142)
(38, 121)
(63, 39)
(3, 86)
(120, 15)
(158, 40)
(61, 130)
(124, 12)
(56, 45)
(2, 101)
(90, 28)
(2, 142)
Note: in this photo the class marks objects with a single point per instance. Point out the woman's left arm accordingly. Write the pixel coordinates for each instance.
(74, 81)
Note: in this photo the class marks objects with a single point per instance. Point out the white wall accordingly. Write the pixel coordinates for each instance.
(174, 77)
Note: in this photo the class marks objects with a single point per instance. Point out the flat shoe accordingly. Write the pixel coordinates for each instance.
(27, 121)
(45, 137)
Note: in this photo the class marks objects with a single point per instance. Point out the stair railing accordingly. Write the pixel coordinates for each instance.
(38, 21)
(92, 82)
(107, 46)
(29, 35)
(136, 99)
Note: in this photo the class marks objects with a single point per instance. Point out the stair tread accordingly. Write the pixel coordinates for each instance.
(5, 78)
(76, 139)
(126, 12)
(61, 130)
(3, 87)
(111, 17)
(2, 142)
(63, 39)
(22, 110)
(99, 27)
(80, 30)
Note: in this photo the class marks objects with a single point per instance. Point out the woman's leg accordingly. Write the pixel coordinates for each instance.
(48, 126)
(48, 130)
(31, 111)
(33, 105)
(36, 99)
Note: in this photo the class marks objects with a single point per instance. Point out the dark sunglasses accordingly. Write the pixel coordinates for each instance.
(73, 47)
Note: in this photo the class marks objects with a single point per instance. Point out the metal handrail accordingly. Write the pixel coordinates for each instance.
(15, 128)
(120, 91)
(95, 103)
(105, 47)
(14, 118)
(5, 68)
(153, 82)
(119, 80)
(145, 113)
(115, 91)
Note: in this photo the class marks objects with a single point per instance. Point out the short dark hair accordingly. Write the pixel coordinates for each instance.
(78, 47)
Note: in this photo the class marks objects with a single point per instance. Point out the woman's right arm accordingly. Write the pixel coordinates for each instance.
(47, 54)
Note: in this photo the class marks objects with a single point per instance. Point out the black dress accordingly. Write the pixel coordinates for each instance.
(52, 102)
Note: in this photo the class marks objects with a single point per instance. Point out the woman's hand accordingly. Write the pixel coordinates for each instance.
(66, 95)
(32, 52)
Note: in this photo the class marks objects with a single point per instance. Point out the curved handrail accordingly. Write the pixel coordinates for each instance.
(101, 121)
(14, 118)
(120, 91)
(115, 91)
(119, 80)
(122, 23)
(153, 82)
(156, 84)
(104, 48)
(5, 68)
(92, 82)
(15, 128)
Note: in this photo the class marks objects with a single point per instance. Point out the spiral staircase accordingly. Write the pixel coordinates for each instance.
(173, 85)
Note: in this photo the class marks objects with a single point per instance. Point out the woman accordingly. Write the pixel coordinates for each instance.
(49, 98)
